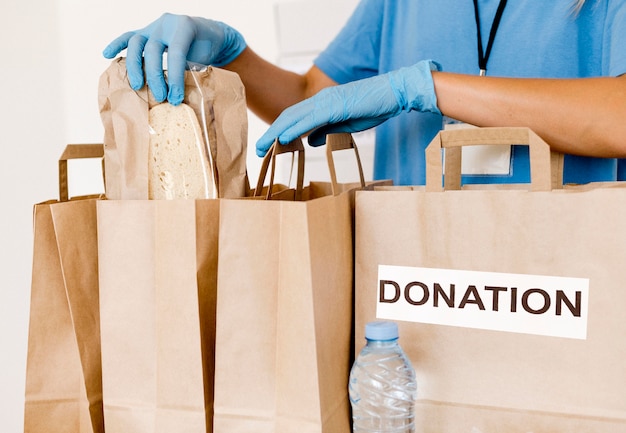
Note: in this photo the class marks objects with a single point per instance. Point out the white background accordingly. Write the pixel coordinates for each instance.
(51, 63)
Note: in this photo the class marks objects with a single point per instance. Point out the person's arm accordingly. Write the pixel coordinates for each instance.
(270, 89)
(584, 116)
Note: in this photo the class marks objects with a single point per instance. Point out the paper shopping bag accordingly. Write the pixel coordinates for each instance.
(158, 258)
(284, 308)
(63, 390)
(509, 301)
(157, 264)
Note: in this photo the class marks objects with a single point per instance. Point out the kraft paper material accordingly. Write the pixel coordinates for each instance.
(284, 308)
(220, 315)
(473, 380)
(157, 295)
(63, 377)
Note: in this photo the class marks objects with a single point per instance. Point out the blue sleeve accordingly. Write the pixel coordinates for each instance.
(617, 55)
(355, 52)
(615, 37)
(621, 169)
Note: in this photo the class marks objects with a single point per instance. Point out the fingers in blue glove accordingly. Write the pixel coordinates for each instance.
(351, 107)
(356, 106)
(282, 128)
(134, 61)
(134, 43)
(177, 53)
(117, 45)
(193, 39)
(153, 63)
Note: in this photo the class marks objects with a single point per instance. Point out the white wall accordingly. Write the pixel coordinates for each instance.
(32, 133)
(50, 69)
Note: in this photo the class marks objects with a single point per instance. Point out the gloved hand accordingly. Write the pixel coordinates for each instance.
(355, 106)
(186, 39)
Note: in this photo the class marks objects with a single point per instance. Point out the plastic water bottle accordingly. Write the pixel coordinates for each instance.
(382, 384)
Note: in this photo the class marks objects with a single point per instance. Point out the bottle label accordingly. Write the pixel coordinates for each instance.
(520, 303)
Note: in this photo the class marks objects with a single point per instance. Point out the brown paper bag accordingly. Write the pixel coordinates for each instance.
(63, 373)
(157, 297)
(522, 360)
(284, 308)
(218, 99)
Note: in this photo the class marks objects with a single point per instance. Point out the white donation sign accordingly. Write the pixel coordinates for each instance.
(528, 304)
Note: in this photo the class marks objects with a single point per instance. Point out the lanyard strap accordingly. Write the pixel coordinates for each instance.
(483, 58)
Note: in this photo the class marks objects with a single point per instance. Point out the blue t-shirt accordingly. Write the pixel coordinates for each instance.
(535, 39)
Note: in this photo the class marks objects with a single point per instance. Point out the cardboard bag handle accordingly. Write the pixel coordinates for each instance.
(334, 142)
(270, 158)
(76, 151)
(546, 166)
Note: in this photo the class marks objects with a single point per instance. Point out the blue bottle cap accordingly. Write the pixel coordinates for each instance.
(381, 331)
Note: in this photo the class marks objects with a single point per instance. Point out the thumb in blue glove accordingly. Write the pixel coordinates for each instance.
(186, 39)
(355, 106)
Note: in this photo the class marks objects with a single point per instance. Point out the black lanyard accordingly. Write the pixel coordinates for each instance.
(483, 58)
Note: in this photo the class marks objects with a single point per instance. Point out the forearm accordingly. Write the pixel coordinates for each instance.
(576, 116)
(270, 89)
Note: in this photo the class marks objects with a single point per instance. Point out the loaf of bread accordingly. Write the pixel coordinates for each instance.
(178, 166)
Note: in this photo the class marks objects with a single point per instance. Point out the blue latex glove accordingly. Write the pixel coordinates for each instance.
(355, 106)
(186, 39)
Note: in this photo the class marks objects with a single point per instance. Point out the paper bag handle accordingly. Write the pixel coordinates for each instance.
(278, 149)
(546, 166)
(76, 151)
(336, 142)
